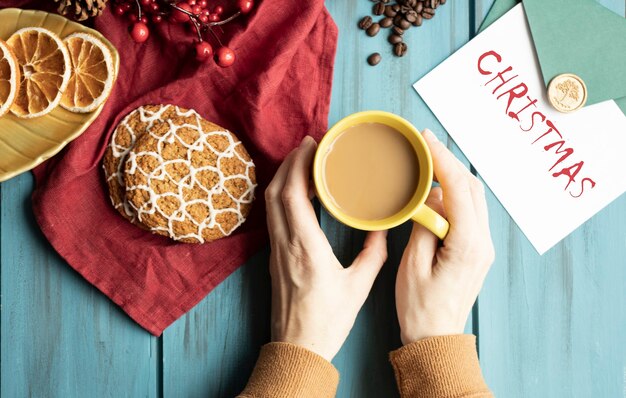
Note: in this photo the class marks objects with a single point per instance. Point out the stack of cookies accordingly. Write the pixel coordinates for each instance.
(172, 172)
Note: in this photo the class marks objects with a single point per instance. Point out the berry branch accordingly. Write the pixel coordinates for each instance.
(196, 13)
(192, 18)
(138, 10)
(227, 20)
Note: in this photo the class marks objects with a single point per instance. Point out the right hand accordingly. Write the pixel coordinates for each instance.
(437, 286)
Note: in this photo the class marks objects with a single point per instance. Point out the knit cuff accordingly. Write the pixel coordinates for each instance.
(444, 366)
(286, 370)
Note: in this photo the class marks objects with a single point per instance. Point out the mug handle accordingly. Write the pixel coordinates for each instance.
(431, 220)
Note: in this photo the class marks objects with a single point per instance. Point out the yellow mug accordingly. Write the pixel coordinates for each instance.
(415, 209)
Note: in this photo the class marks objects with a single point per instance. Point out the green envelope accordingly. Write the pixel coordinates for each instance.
(576, 36)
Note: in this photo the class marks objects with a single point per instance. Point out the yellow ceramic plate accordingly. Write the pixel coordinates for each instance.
(25, 143)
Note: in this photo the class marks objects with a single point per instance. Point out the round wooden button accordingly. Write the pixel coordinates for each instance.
(567, 92)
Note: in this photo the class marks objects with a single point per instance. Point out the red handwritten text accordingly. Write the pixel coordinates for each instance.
(521, 107)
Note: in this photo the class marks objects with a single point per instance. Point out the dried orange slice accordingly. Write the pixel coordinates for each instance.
(92, 73)
(9, 77)
(45, 71)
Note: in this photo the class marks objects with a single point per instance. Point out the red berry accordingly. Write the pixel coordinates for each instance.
(214, 17)
(224, 57)
(218, 9)
(191, 2)
(132, 17)
(145, 2)
(203, 18)
(202, 3)
(203, 51)
(154, 7)
(196, 10)
(180, 16)
(139, 32)
(157, 19)
(245, 6)
(126, 6)
(144, 19)
(206, 12)
(119, 10)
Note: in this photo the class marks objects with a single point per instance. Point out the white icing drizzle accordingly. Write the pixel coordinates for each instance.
(119, 151)
(201, 144)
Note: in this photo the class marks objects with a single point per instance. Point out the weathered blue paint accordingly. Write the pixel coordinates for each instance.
(551, 326)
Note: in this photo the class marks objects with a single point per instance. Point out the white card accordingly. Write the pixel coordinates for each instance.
(548, 194)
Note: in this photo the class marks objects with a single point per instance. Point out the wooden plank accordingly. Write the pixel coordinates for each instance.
(60, 337)
(553, 325)
(362, 362)
(210, 351)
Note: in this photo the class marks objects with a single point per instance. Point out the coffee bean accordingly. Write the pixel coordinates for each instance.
(365, 22)
(390, 12)
(373, 30)
(411, 16)
(399, 15)
(374, 59)
(397, 19)
(428, 13)
(385, 22)
(400, 49)
(394, 39)
(401, 23)
(378, 9)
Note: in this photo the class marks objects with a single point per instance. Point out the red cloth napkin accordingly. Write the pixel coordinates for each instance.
(277, 91)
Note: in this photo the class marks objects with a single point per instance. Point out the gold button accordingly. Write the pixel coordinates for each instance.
(567, 92)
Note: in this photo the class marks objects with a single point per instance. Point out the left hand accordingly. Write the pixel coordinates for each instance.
(315, 300)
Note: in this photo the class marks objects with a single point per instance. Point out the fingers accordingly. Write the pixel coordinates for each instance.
(480, 205)
(464, 202)
(370, 260)
(482, 216)
(422, 246)
(311, 192)
(295, 195)
(435, 201)
(276, 218)
(455, 181)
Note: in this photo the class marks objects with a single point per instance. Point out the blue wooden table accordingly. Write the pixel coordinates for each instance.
(550, 326)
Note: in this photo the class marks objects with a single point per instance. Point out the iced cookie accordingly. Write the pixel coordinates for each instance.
(133, 126)
(189, 179)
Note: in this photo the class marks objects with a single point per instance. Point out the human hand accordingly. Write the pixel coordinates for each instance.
(437, 286)
(315, 300)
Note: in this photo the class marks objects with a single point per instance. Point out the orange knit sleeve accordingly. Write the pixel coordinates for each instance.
(445, 366)
(286, 370)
